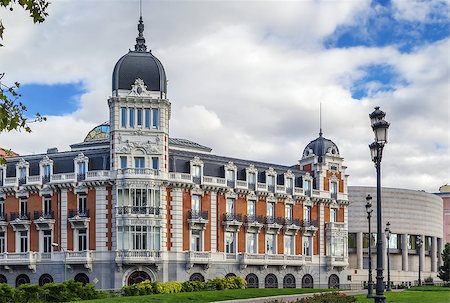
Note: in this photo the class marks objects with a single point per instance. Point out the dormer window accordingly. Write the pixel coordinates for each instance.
(22, 175)
(22, 171)
(81, 162)
(81, 170)
(271, 183)
(333, 190)
(307, 187)
(251, 178)
(196, 170)
(229, 176)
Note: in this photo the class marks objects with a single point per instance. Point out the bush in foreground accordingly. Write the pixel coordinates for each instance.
(333, 297)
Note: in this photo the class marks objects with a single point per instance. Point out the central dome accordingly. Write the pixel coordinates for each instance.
(139, 64)
(320, 147)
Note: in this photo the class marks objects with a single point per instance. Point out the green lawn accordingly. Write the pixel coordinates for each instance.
(209, 296)
(440, 295)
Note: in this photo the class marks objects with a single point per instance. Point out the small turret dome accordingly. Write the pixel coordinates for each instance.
(320, 147)
(139, 64)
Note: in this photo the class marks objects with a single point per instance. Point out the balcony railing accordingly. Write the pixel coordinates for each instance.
(138, 210)
(22, 181)
(252, 186)
(291, 221)
(309, 223)
(137, 256)
(81, 177)
(79, 213)
(289, 190)
(197, 215)
(45, 179)
(253, 219)
(197, 179)
(231, 183)
(271, 188)
(232, 217)
(3, 217)
(273, 220)
(44, 215)
(334, 196)
(20, 216)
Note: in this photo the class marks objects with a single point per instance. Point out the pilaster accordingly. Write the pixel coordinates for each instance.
(405, 252)
(322, 229)
(177, 220)
(64, 218)
(359, 250)
(213, 221)
(101, 220)
(433, 254)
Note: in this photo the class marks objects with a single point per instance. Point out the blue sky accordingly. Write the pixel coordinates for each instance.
(246, 77)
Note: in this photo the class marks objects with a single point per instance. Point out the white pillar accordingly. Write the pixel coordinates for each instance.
(213, 217)
(177, 219)
(359, 250)
(63, 217)
(422, 254)
(101, 220)
(433, 254)
(439, 252)
(163, 213)
(405, 252)
(322, 229)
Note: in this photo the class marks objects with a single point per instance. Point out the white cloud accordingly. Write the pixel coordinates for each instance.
(245, 78)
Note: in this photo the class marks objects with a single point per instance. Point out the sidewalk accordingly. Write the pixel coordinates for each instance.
(287, 298)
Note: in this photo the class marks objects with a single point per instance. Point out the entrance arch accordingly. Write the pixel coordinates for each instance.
(289, 281)
(252, 281)
(138, 277)
(271, 281)
(307, 281)
(333, 281)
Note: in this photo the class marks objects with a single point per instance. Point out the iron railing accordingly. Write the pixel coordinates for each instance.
(20, 216)
(138, 210)
(232, 217)
(253, 219)
(44, 214)
(197, 215)
(80, 213)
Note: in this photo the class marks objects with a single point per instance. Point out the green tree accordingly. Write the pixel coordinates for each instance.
(444, 270)
(12, 111)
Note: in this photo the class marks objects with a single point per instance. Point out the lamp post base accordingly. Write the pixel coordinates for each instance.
(379, 298)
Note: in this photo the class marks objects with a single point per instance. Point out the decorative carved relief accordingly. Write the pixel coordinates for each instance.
(139, 88)
(152, 146)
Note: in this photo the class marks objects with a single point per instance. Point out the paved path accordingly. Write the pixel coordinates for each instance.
(286, 298)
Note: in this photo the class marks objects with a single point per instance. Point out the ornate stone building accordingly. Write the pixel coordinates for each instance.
(131, 203)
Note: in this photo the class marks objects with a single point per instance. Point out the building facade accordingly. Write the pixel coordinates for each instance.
(411, 214)
(130, 203)
(444, 193)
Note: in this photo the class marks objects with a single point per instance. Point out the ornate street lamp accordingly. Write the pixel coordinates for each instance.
(380, 130)
(369, 211)
(387, 230)
(419, 243)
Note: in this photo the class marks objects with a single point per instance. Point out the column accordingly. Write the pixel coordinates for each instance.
(439, 252)
(433, 254)
(422, 255)
(321, 229)
(177, 219)
(405, 252)
(213, 221)
(101, 221)
(63, 217)
(359, 250)
(163, 213)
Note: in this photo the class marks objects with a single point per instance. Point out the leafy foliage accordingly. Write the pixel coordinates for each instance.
(444, 270)
(333, 297)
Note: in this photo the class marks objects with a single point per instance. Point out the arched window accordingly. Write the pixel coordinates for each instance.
(307, 281)
(44, 279)
(289, 281)
(271, 281)
(138, 277)
(3, 279)
(22, 279)
(83, 278)
(230, 275)
(197, 277)
(333, 281)
(252, 281)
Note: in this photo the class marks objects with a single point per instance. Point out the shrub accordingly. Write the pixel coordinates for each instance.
(57, 293)
(190, 286)
(334, 297)
(226, 283)
(429, 281)
(28, 293)
(168, 287)
(130, 290)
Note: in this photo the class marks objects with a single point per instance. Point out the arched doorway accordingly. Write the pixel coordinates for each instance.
(333, 281)
(138, 277)
(307, 281)
(22, 279)
(197, 277)
(3, 279)
(230, 275)
(252, 281)
(289, 281)
(82, 278)
(44, 279)
(271, 281)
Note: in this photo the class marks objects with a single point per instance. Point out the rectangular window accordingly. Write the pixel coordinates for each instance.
(23, 235)
(333, 190)
(270, 244)
(155, 163)
(47, 205)
(22, 172)
(139, 117)
(196, 203)
(147, 118)
(230, 246)
(230, 206)
(412, 242)
(251, 178)
(46, 169)
(82, 204)
(81, 168)
(289, 183)
(131, 117)
(139, 237)
(271, 209)
(196, 240)
(307, 187)
(337, 247)
(251, 243)
(47, 241)
(333, 215)
(229, 176)
(156, 239)
(288, 212)
(23, 207)
(307, 214)
(307, 247)
(289, 245)
(366, 240)
(196, 171)
(123, 162)
(2, 208)
(351, 240)
(394, 241)
(2, 242)
(123, 111)
(82, 239)
(139, 162)
(155, 118)
(251, 208)
(270, 180)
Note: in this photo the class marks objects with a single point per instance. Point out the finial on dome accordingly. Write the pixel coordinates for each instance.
(320, 119)
(140, 40)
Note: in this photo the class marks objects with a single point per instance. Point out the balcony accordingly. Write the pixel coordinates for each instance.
(81, 177)
(28, 259)
(198, 257)
(79, 218)
(84, 258)
(20, 221)
(44, 220)
(254, 223)
(231, 183)
(141, 173)
(45, 179)
(232, 222)
(252, 186)
(197, 179)
(337, 262)
(273, 225)
(289, 191)
(137, 256)
(271, 188)
(265, 260)
(138, 210)
(334, 196)
(309, 228)
(197, 219)
(292, 226)
(63, 178)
